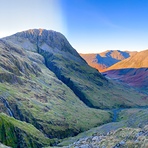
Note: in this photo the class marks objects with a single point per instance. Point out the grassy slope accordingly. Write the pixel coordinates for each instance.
(38, 97)
(15, 133)
(138, 60)
(35, 95)
(89, 85)
(99, 92)
(127, 118)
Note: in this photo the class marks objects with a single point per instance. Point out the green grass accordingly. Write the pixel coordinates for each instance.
(87, 82)
(13, 131)
(46, 101)
(132, 118)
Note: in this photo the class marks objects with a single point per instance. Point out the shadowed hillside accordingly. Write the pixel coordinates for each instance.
(106, 59)
(132, 71)
(30, 92)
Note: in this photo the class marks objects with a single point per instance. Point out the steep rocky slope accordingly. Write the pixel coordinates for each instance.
(102, 61)
(30, 92)
(123, 137)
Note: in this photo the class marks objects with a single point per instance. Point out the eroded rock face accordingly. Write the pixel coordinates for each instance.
(15, 61)
(45, 39)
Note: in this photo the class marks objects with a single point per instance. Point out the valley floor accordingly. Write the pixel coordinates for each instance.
(130, 129)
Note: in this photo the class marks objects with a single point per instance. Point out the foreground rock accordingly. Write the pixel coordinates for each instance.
(123, 137)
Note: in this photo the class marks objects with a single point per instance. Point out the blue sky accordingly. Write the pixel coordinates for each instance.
(91, 26)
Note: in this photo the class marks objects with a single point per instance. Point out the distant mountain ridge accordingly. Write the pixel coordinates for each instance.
(139, 60)
(132, 71)
(102, 61)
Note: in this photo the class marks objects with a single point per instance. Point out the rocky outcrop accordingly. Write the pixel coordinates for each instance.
(16, 134)
(123, 137)
(14, 60)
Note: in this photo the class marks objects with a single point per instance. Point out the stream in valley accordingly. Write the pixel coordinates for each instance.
(6, 104)
(116, 112)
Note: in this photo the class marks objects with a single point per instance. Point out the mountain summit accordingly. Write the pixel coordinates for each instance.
(34, 39)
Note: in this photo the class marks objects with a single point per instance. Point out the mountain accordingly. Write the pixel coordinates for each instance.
(102, 61)
(30, 92)
(139, 60)
(63, 60)
(132, 71)
(49, 90)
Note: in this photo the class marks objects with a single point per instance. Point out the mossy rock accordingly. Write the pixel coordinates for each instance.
(19, 134)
